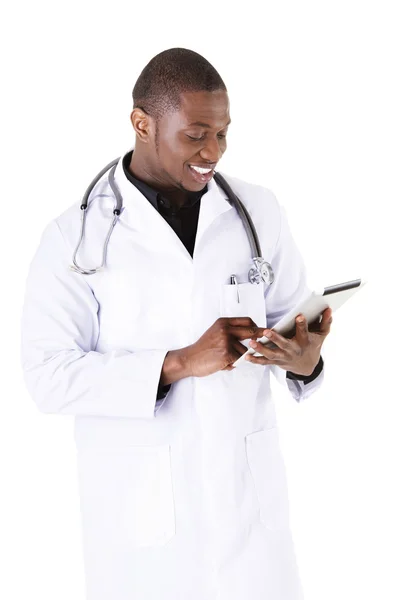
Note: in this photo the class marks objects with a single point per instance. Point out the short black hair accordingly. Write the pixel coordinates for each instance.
(170, 73)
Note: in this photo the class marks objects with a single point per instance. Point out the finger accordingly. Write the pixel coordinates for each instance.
(238, 348)
(272, 354)
(259, 360)
(239, 321)
(301, 330)
(325, 325)
(236, 351)
(244, 333)
(277, 339)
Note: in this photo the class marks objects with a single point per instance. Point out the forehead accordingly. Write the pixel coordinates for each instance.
(209, 108)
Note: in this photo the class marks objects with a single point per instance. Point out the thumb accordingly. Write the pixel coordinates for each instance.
(325, 325)
(301, 328)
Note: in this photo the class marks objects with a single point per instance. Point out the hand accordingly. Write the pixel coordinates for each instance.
(219, 346)
(299, 354)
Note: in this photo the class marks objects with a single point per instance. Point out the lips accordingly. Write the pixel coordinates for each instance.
(200, 177)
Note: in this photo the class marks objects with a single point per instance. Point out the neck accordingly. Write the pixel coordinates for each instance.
(141, 168)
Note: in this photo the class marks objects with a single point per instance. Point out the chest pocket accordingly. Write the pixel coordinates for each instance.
(244, 300)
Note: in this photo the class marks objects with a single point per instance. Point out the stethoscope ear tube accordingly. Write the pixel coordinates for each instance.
(95, 180)
(261, 271)
(117, 211)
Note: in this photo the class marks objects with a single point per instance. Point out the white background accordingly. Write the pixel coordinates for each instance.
(314, 91)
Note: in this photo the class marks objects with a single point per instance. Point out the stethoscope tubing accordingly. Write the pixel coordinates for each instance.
(232, 199)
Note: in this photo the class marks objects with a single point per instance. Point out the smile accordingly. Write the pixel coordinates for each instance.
(201, 174)
(200, 169)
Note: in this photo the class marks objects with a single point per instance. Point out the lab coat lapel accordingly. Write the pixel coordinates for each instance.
(213, 204)
(140, 215)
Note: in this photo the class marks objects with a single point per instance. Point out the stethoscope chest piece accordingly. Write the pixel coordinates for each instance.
(262, 271)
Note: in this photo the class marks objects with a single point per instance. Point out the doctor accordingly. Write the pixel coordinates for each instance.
(182, 483)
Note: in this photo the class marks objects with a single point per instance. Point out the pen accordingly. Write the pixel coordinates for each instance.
(234, 282)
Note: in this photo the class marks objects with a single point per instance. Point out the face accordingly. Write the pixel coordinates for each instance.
(193, 135)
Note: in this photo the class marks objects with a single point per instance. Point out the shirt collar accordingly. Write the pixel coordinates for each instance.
(151, 193)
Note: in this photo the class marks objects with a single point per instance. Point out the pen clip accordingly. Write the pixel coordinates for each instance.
(234, 282)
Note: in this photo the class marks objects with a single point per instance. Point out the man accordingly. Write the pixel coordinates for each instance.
(182, 483)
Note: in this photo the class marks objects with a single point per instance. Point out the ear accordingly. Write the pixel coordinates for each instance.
(142, 124)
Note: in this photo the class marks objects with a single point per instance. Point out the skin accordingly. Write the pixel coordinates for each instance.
(299, 354)
(163, 152)
(165, 165)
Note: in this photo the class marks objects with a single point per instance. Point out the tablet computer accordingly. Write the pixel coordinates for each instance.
(312, 307)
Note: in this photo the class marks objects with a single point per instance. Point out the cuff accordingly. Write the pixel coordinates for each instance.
(307, 378)
(163, 391)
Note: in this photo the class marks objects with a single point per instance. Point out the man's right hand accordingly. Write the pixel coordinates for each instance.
(219, 346)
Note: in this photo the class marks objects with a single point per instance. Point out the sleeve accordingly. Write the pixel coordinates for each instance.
(301, 388)
(307, 378)
(162, 391)
(162, 394)
(63, 372)
(287, 290)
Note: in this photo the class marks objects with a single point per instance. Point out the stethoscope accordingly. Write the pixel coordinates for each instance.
(261, 271)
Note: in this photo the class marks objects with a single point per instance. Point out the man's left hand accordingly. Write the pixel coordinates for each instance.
(299, 354)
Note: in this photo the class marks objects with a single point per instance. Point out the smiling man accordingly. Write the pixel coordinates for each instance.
(177, 161)
(181, 478)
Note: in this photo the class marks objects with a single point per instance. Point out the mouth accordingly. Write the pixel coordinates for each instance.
(201, 174)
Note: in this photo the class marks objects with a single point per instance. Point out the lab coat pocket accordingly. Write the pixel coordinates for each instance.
(126, 495)
(269, 477)
(250, 303)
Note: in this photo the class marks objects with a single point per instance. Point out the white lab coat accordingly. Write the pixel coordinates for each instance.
(185, 498)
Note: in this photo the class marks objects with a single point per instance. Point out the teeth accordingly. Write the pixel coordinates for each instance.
(201, 170)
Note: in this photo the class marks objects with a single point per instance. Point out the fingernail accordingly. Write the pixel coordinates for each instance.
(267, 332)
(253, 344)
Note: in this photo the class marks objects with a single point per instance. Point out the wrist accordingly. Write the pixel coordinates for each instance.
(309, 376)
(176, 366)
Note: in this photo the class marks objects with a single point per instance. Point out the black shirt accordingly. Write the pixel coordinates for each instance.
(184, 221)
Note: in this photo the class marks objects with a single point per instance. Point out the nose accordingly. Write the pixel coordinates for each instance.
(211, 152)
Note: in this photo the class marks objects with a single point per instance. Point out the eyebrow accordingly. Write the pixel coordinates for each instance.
(206, 124)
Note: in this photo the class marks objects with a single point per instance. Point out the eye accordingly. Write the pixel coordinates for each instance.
(201, 138)
(195, 139)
